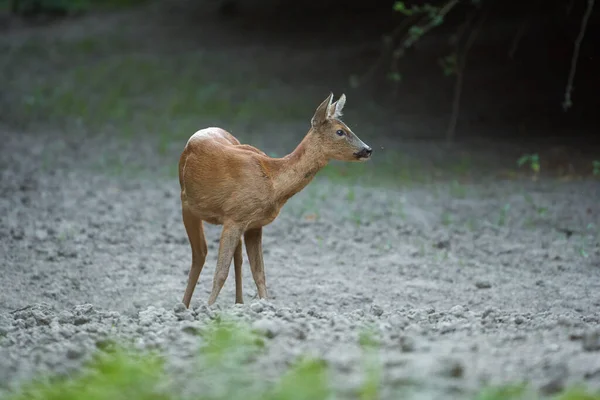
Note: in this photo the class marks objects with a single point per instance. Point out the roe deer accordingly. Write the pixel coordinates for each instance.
(238, 186)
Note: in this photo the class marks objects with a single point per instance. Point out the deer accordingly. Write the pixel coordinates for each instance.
(238, 186)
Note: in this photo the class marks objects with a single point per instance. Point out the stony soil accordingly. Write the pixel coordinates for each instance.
(468, 284)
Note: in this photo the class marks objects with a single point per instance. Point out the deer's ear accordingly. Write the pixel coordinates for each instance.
(321, 113)
(335, 109)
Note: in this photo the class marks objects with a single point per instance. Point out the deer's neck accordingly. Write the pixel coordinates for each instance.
(294, 171)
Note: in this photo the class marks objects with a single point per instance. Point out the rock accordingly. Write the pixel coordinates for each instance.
(75, 352)
(442, 244)
(407, 344)
(257, 307)
(398, 321)
(179, 308)
(285, 314)
(415, 329)
(65, 317)
(447, 327)
(41, 318)
(555, 381)
(204, 310)
(148, 316)
(267, 305)
(519, 320)
(190, 328)
(339, 322)
(297, 331)
(591, 341)
(314, 312)
(266, 327)
(553, 347)
(85, 309)
(41, 234)
(592, 374)
(458, 311)
(376, 310)
(451, 368)
(483, 285)
(573, 336)
(184, 314)
(394, 359)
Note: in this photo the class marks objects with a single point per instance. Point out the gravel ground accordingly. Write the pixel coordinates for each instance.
(463, 291)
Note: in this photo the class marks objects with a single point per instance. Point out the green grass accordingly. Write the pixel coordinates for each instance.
(116, 375)
(104, 83)
(225, 371)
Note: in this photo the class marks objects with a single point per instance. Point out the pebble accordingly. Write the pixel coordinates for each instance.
(75, 352)
(407, 344)
(483, 285)
(451, 368)
(257, 307)
(266, 327)
(555, 379)
(190, 327)
(376, 310)
(458, 311)
(447, 327)
(591, 341)
(179, 308)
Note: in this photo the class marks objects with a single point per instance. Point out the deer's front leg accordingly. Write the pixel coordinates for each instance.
(253, 239)
(230, 237)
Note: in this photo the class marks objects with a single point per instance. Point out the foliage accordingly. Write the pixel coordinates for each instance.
(508, 392)
(225, 372)
(424, 17)
(532, 159)
(118, 375)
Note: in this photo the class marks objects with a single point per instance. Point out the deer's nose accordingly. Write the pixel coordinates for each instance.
(365, 152)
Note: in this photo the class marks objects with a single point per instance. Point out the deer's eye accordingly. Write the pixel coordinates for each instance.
(341, 132)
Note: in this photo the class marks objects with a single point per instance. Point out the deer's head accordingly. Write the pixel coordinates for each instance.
(335, 138)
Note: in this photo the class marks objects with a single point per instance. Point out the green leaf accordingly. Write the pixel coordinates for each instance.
(523, 159)
(400, 7)
(416, 31)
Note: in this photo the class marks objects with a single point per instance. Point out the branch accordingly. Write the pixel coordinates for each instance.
(388, 41)
(410, 39)
(432, 23)
(569, 88)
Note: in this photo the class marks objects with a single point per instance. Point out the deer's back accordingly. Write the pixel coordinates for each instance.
(219, 177)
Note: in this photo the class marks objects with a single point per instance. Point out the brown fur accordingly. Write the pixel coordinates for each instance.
(238, 186)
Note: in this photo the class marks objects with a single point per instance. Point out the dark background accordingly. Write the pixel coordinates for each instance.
(502, 98)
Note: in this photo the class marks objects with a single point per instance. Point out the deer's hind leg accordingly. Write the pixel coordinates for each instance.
(230, 239)
(195, 232)
(237, 263)
(253, 239)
